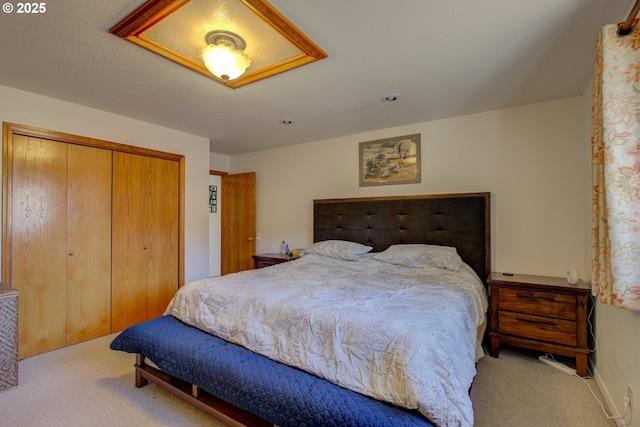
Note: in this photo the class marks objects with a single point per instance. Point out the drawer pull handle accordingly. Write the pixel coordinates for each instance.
(535, 297)
(536, 321)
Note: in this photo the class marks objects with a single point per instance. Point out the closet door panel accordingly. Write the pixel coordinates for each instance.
(39, 234)
(88, 244)
(163, 234)
(91, 234)
(129, 247)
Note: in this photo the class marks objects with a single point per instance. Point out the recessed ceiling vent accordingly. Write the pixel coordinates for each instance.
(391, 97)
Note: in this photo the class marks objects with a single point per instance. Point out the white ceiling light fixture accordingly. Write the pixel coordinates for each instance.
(161, 25)
(224, 56)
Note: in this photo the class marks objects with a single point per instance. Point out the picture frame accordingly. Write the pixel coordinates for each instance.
(213, 199)
(390, 161)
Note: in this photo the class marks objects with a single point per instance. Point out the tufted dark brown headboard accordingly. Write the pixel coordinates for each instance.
(458, 220)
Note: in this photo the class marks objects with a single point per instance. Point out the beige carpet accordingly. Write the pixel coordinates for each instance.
(518, 390)
(90, 385)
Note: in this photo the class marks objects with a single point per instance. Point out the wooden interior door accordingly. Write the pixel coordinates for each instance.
(238, 216)
(88, 243)
(60, 221)
(145, 236)
(38, 224)
(128, 255)
(162, 235)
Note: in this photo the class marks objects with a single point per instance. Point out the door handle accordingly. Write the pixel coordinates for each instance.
(258, 237)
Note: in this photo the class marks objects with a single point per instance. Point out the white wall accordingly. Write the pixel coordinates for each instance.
(48, 113)
(529, 158)
(220, 163)
(618, 355)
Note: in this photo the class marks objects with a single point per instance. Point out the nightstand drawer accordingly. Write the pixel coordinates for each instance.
(537, 327)
(536, 302)
(261, 263)
(267, 260)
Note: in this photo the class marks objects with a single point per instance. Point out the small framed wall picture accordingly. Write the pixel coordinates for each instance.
(213, 199)
(390, 161)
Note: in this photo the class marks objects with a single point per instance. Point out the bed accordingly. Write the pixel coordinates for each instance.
(378, 323)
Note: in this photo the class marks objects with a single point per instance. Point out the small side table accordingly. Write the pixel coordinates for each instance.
(265, 260)
(8, 337)
(540, 313)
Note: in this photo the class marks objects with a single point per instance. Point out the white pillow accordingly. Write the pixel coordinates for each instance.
(339, 249)
(417, 255)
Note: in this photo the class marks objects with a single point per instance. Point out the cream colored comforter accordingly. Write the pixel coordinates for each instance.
(400, 334)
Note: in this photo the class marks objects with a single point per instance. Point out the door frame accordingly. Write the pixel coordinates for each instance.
(11, 129)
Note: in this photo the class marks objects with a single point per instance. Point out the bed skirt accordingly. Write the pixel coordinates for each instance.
(277, 393)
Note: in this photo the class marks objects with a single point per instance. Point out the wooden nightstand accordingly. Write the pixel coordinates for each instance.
(265, 260)
(540, 313)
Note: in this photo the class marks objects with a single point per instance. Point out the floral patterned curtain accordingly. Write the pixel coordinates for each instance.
(616, 168)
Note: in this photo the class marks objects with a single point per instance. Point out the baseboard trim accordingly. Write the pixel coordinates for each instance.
(608, 399)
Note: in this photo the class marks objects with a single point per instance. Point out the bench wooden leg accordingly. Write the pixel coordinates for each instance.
(140, 363)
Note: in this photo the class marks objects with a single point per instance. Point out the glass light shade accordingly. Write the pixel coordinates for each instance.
(225, 61)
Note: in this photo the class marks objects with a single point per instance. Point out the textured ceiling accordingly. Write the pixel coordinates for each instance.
(445, 58)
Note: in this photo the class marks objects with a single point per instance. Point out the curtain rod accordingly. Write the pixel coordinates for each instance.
(626, 27)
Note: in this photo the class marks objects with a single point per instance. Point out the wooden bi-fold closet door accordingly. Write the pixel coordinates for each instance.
(60, 224)
(92, 234)
(145, 248)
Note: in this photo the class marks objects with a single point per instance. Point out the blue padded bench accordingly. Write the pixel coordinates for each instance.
(240, 387)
